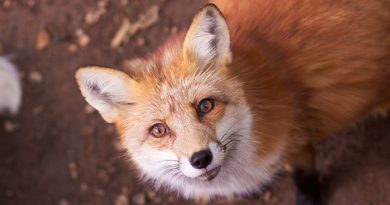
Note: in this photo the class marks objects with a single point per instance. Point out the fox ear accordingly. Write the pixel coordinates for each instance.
(208, 39)
(107, 90)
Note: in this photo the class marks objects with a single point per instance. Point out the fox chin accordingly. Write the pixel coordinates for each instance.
(217, 111)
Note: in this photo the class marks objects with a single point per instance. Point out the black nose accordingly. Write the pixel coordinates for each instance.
(201, 159)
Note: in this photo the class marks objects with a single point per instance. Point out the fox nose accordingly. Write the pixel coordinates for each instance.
(201, 159)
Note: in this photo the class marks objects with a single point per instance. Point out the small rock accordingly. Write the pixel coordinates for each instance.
(110, 129)
(31, 3)
(140, 41)
(82, 38)
(100, 192)
(267, 196)
(174, 30)
(35, 77)
(73, 170)
(139, 199)
(72, 48)
(151, 194)
(89, 109)
(7, 3)
(43, 40)
(63, 202)
(10, 126)
(121, 200)
(124, 2)
(83, 187)
(37, 110)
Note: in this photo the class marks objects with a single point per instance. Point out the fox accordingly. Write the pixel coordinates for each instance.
(221, 109)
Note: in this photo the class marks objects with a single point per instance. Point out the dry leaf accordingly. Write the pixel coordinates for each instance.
(128, 29)
(94, 15)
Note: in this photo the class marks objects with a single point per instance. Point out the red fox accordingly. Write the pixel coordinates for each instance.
(218, 111)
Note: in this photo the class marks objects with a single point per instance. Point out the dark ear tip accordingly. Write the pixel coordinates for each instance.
(209, 8)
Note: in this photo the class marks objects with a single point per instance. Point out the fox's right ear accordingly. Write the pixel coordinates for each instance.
(105, 89)
(207, 41)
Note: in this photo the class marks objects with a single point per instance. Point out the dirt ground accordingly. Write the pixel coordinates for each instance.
(58, 151)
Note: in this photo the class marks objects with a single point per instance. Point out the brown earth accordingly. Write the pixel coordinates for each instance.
(59, 151)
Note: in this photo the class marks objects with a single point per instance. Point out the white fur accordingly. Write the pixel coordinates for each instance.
(240, 173)
(10, 87)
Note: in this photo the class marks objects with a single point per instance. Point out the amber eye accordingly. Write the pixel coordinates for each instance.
(158, 130)
(205, 106)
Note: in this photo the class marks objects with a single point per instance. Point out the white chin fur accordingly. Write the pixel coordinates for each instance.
(10, 88)
(240, 174)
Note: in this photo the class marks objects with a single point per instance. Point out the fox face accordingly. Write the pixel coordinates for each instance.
(182, 114)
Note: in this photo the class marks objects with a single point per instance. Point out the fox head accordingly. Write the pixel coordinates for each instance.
(182, 114)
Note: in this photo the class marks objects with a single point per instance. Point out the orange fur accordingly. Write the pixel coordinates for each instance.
(313, 66)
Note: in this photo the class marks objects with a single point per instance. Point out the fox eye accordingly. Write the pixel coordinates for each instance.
(158, 130)
(205, 106)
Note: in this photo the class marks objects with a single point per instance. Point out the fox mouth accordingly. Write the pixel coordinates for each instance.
(209, 175)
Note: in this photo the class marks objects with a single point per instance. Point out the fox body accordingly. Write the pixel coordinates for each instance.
(218, 111)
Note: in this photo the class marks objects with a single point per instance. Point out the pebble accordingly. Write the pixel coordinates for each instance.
(63, 202)
(35, 77)
(139, 199)
(37, 110)
(140, 41)
(72, 48)
(121, 200)
(7, 3)
(151, 194)
(31, 3)
(82, 38)
(10, 126)
(100, 192)
(89, 109)
(174, 30)
(43, 40)
(267, 196)
(83, 187)
(73, 170)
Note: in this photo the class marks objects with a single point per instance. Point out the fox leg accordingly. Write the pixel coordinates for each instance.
(306, 179)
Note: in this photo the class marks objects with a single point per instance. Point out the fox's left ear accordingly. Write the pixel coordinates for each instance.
(207, 40)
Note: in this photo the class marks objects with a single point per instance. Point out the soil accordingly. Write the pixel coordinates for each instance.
(58, 150)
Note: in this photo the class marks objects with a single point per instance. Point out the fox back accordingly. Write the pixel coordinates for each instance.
(219, 110)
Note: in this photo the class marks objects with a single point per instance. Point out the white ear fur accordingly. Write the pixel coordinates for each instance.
(106, 90)
(208, 37)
